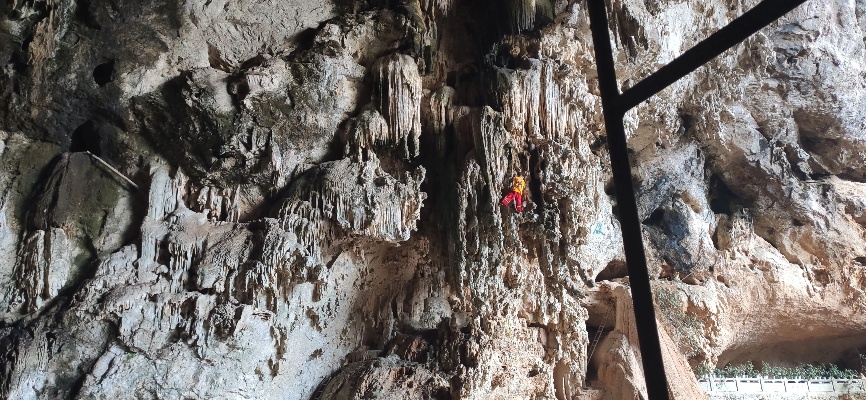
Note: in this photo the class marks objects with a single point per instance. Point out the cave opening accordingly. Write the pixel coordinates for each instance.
(104, 73)
(441, 394)
(833, 356)
(86, 138)
(723, 200)
(597, 336)
(600, 324)
(656, 218)
(614, 270)
(18, 59)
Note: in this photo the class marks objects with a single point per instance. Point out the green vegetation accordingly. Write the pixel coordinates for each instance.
(687, 327)
(804, 371)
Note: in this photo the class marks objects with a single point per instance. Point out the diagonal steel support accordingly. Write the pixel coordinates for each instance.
(614, 106)
(738, 30)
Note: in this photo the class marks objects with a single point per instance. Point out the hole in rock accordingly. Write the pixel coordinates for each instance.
(441, 394)
(104, 73)
(19, 58)
(307, 38)
(240, 88)
(86, 138)
(687, 122)
(598, 144)
(25, 44)
(451, 78)
(610, 189)
(656, 218)
(860, 260)
(85, 14)
(822, 276)
(18, 62)
(614, 269)
(722, 199)
(163, 255)
(715, 238)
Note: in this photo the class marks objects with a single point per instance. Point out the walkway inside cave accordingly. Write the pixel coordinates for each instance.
(831, 386)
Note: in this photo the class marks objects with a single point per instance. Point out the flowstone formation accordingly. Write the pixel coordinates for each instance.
(300, 200)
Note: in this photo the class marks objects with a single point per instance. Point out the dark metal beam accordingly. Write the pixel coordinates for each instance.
(738, 30)
(648, 335)
(614, 106)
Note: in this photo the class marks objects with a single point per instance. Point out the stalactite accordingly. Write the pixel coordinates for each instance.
(521, 15)
(492, 144)
(357, 198)
(439, 111)
(535, 103)
(217, 203)
(398, 98)
(444, 7)
(366, 131)
(162, 198)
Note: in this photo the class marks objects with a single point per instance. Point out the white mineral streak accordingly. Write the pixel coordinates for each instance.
(44, 268)
(398, 94)
(521, 14)
(8, 244)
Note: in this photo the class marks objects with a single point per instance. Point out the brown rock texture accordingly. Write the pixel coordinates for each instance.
(300, 199)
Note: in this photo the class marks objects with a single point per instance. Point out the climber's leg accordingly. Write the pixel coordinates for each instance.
(508, 198)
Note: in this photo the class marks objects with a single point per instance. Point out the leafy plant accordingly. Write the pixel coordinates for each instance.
(687, 327)
(803, 371)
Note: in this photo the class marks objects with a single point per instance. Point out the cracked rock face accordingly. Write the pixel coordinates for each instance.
(300, 200)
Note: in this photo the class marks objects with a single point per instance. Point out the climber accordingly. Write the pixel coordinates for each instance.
(518, 186)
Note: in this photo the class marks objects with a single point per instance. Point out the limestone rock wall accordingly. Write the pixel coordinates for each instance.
(300, 200)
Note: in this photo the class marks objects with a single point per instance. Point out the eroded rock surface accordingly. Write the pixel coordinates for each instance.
(300, 200)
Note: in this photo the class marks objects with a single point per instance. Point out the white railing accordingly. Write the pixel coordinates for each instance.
(763, 385)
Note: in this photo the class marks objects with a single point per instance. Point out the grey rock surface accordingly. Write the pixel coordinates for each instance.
(300, 200)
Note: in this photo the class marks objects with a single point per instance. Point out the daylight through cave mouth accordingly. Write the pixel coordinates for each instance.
(846, 351)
